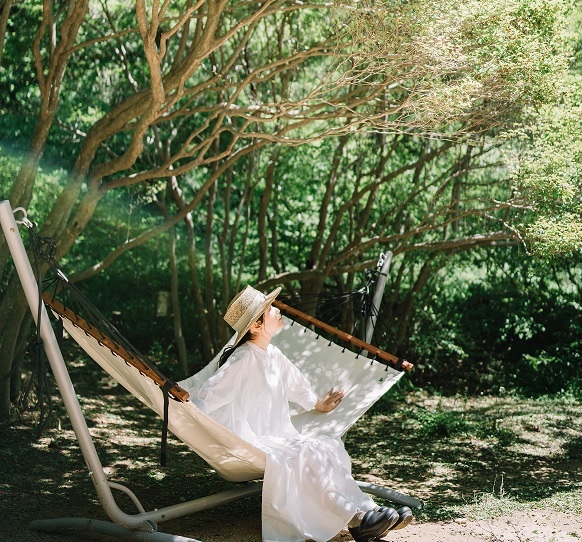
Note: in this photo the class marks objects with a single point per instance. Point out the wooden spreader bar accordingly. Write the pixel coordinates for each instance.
(176, 391)
(358, 343)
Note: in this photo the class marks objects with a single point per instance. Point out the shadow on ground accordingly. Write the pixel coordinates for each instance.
(444, 451)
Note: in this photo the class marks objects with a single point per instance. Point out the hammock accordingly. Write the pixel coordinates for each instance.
(363, 379)
(322, 361)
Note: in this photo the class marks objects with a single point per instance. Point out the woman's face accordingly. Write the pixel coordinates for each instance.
(272, 320)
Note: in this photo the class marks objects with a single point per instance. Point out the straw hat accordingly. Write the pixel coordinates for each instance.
(246, 308)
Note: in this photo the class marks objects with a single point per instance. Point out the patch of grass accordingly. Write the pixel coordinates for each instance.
(491, 505)
(474, 456)
(441, 424)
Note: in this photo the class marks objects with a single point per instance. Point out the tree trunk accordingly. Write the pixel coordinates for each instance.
(324, 208)
(50, 79)
(14, 307)
(209, 288)
(406, 308)
(206, 338)
(4, 16)
(263, 210)
(50, 87)
(309, 289)
(176, 312)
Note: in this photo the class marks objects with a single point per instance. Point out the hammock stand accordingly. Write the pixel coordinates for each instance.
(233, 458)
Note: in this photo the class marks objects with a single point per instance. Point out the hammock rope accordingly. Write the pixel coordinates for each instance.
(86, 316)
(119, 346)
(42, 248)
(387, 358)
(335, 308)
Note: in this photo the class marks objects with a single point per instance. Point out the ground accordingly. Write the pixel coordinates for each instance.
(498, 469)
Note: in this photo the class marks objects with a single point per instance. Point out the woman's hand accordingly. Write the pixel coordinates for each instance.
(330, 401)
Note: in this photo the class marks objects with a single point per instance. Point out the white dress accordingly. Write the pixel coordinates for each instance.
(308, 490)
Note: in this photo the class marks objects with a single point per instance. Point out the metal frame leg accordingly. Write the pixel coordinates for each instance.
(389, 494)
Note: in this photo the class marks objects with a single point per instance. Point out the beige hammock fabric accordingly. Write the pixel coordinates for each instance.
(323, 362)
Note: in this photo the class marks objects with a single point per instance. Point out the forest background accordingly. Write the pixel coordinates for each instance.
(177, 151)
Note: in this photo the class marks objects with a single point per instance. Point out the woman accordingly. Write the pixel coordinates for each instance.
(308, 490)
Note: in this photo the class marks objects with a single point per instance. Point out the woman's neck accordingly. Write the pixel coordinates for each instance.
(261, 340)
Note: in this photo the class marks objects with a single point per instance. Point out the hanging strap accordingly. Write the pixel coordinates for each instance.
(164, 450)
(44, 248)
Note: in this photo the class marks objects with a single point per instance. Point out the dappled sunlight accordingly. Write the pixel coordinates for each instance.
(327, 365)
(446, 450)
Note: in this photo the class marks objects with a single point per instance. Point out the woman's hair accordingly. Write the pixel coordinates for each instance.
(229, 350)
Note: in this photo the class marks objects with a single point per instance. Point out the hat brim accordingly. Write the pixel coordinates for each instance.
(268, 300)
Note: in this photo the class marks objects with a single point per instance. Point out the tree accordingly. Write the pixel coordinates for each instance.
(549, 175)
(219, 81)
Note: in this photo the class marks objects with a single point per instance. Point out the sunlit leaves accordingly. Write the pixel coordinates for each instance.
(457, 60)
(550, 176)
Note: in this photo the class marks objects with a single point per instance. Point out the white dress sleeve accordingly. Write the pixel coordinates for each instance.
(223, 386)
(299, 389)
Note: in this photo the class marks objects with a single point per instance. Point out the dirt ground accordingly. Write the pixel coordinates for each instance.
(520, 526)
(524, 456)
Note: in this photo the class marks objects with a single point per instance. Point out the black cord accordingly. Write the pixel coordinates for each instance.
(44, 248)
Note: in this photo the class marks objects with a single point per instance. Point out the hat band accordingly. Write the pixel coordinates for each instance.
(253, 307)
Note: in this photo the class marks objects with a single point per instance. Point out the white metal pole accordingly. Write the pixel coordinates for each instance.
(378, 293)
(61, 374)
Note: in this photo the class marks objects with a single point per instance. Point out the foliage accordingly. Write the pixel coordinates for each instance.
(464, 60)
(18, 88)
(283, 143)
(548, 173)
(50, 181)
(511, 328)
(441, 424)
(550, 176)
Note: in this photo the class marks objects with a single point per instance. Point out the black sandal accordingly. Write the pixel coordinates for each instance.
(374, 524)
(405, 516)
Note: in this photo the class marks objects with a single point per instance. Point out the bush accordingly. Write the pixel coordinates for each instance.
(520, 331)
